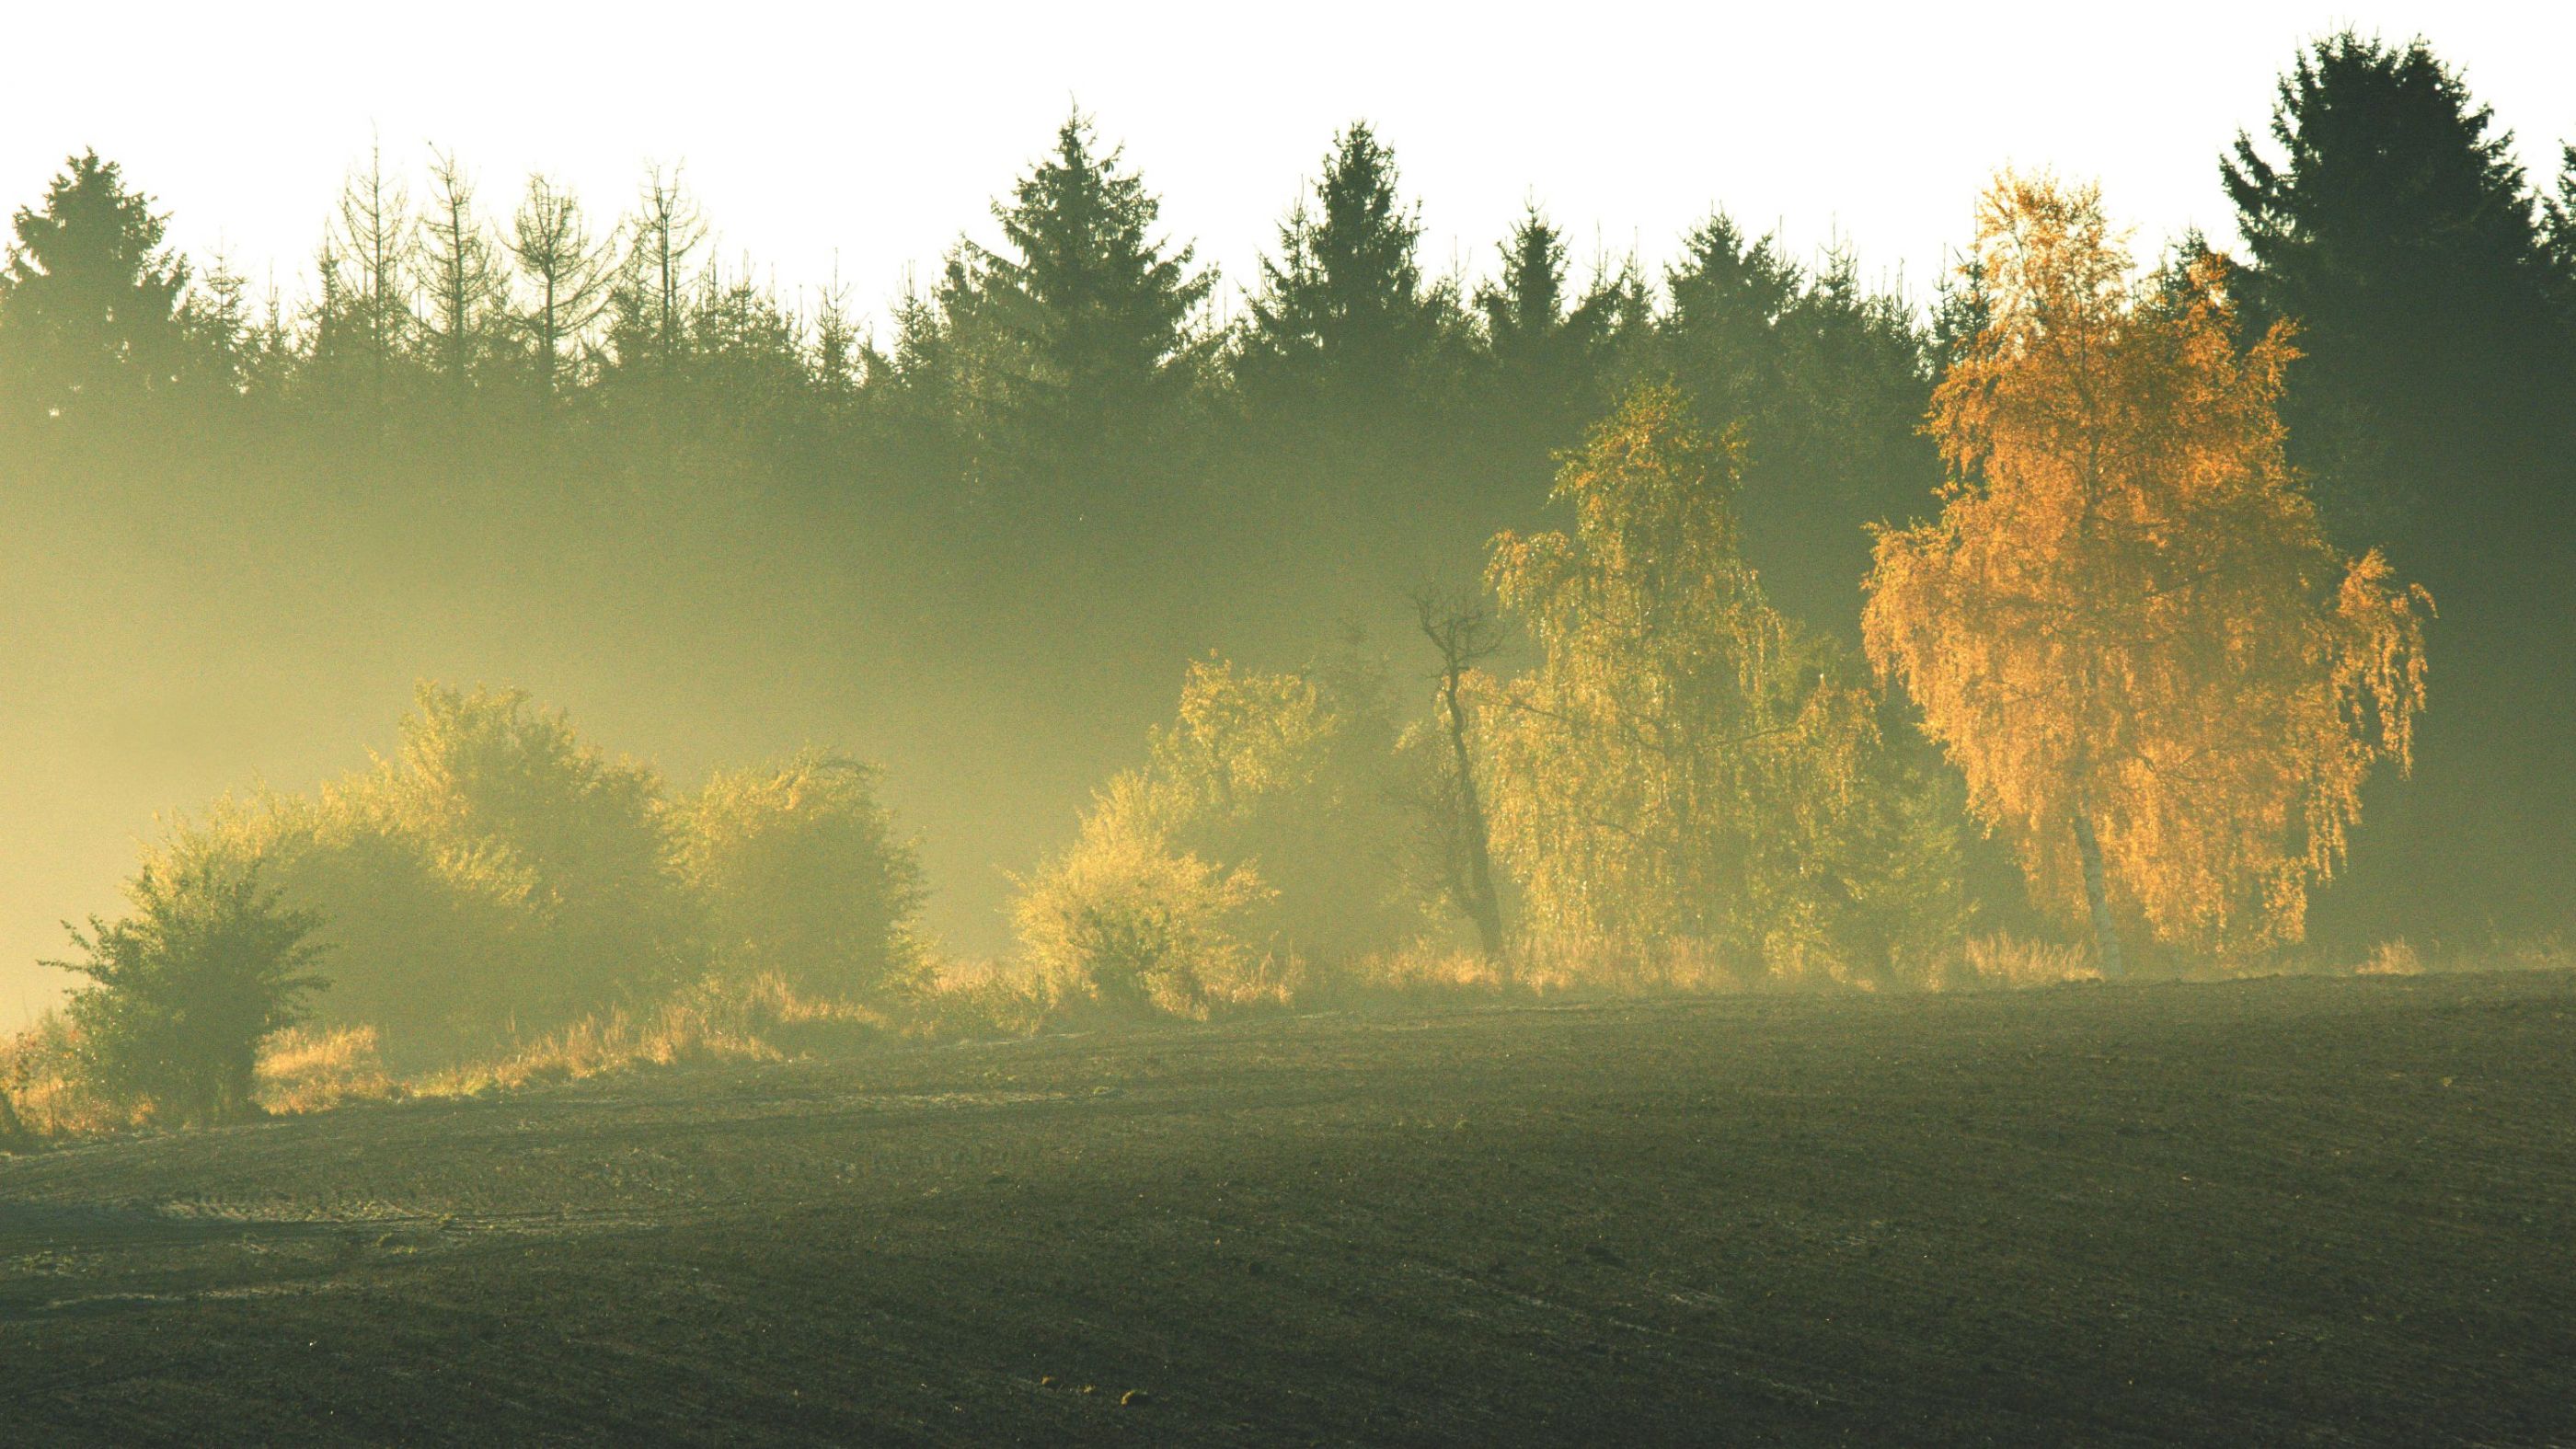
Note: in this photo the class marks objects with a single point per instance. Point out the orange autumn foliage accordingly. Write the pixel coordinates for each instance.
(2127, 628)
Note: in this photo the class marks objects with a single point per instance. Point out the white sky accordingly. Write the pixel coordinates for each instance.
(868, 136)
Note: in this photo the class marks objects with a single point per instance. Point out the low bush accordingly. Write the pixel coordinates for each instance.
(184, 989)
(14, 1136)
(40, 1071)
(801, 876)
(1122, 922)
(497, 876)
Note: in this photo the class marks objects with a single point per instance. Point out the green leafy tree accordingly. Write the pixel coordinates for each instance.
(90, 298)
(184, 988)
(1290, 773)
(1678, 765)
(1263, 832)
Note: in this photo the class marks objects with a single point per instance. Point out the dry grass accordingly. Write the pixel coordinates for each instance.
(2391, 958)
(970, 1000)
(2017, 961)
(2401, 957)
(762, 1019)
(40, 1072)
(1673, 968)
(311, 1069)
(1428, 972)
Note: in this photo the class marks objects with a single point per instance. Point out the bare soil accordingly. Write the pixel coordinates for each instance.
(2284, 1211)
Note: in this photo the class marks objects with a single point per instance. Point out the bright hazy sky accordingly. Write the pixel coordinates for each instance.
(869, 136)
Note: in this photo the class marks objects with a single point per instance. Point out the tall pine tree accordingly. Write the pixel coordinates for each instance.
(89, 301)
(2395, 227)
(2435, 405)
(1343, 320)
(1094, 313)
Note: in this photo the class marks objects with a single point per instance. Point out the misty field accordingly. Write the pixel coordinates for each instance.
(2287, 1210)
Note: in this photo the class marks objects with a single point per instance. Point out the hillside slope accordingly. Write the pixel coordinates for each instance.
(2322, 1211)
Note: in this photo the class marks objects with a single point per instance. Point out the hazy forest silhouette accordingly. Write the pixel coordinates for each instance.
(516, 436)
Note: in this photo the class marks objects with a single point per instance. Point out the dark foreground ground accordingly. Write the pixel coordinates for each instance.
(2293, 1211)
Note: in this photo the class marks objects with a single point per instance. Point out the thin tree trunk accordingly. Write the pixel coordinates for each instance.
(2106, 934)
(1482, 907)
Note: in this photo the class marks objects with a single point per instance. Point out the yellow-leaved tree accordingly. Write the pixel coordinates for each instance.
(1681, 764)
(2127, 628)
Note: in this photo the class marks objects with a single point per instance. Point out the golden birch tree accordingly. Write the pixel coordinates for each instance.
(2127, 628)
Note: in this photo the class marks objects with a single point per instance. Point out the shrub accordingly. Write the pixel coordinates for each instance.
(183, 990)
(1124, 922)
(497, 875)
(801, 876)
(507, 798)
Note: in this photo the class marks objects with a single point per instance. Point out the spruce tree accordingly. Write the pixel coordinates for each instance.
(1544, 350)
(89, 300)
(1343, 319)
(2396, 229)
(1094, 312)
(2434, 406)
(2558, 234)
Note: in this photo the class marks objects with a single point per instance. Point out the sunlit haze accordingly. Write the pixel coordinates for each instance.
(858, 142)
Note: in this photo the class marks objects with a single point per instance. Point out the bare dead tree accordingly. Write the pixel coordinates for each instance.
(1462, 629)
(565, 274)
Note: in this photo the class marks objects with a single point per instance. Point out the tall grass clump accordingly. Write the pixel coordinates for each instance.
(313, 1069)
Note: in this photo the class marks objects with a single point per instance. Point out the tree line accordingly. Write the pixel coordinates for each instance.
(1737, 525)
